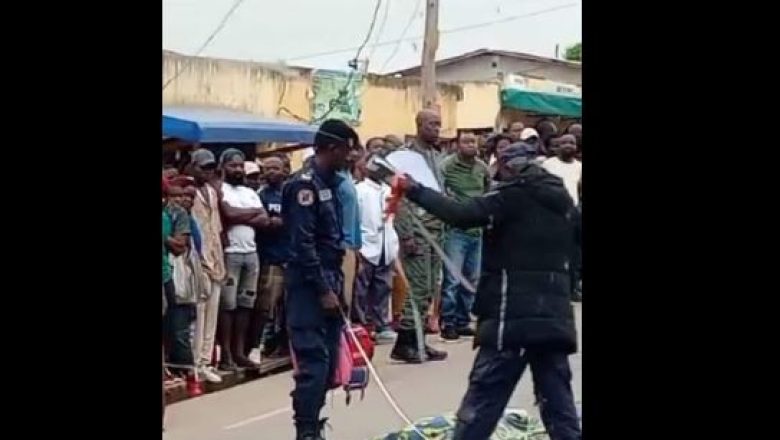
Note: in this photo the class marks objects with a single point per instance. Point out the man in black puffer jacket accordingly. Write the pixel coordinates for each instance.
(523, 306)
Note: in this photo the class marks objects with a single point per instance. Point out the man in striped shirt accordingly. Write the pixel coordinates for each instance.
(465, 176)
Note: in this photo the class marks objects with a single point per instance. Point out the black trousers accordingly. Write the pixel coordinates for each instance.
(492, 382)
(316, 350)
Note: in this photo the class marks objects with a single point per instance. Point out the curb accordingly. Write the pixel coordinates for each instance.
(177, 392)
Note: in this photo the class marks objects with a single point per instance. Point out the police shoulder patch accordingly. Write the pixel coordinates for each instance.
(325, 195)
(305, 197)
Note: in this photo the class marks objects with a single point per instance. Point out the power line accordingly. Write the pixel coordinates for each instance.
(370, 29)
(210, 38)
(403, 34)
(353, 67)
(381, 29)
(447, 31)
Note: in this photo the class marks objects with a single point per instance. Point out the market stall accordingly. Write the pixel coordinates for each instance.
(185, 128)
(529, 100)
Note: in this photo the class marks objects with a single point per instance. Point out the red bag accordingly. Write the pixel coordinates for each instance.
(359, 376)
(343, 370)
(365, 341)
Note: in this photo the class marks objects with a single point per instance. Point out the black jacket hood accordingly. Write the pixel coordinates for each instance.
(546, 188)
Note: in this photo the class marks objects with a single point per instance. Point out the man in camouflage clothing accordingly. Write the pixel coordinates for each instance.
(422, 265)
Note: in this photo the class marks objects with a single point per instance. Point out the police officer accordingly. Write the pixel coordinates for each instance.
(311, 214)
(523, 303)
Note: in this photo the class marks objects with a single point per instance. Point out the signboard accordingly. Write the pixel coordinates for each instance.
(520, 82)
(336, 95)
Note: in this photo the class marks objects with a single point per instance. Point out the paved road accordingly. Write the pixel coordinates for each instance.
(260, 410)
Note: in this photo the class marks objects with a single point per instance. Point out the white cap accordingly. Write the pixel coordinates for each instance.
(306, 153)
(251, 168)
(528, 133)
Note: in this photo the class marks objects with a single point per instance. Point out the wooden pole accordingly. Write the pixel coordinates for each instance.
(430, 44)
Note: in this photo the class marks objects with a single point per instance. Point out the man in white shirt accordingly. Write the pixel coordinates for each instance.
(242, 212)
(566, 166)
(378, 252)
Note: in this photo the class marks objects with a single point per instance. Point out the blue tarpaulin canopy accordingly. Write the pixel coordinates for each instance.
(209, 125)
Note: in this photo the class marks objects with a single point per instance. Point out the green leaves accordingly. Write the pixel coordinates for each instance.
(574, 53)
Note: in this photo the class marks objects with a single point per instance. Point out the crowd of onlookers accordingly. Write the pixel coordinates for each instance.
(224, 247)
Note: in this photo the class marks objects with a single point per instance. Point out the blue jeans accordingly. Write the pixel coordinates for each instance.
(465, 251)
(492, 382)
(176, 327)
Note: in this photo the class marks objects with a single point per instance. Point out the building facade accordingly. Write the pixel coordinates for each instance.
(496, 65)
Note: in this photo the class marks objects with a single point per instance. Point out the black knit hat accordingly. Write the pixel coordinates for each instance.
(518, 149)
(334, 132)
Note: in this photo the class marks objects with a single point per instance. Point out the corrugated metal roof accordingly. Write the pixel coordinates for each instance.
(482, 52)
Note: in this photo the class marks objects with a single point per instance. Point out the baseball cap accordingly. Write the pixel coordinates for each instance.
(251, 168)
(182, 181)
(231, 153)
(528, 133)
(203, 157)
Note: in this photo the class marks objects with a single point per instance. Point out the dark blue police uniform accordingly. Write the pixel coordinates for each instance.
(272, 250)
(271, 245)
(312, 219)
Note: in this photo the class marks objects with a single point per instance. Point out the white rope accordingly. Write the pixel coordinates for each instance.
(389, 397)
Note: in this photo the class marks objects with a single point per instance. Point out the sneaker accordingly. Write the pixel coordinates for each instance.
(281, 351)
(193, 387)
(450, 334)
(243, 362)
(256, 355)
(227, 366)
(210, 374)
(386, 336)
(466, 332)
(172, 379)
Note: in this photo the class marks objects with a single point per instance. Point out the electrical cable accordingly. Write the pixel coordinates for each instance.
(210, 38)
(403, 35)
(353, 67)
(446, 31)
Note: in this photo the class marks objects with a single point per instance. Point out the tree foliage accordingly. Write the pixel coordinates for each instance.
(574, 53)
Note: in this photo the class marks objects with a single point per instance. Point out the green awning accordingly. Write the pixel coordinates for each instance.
(544, 103)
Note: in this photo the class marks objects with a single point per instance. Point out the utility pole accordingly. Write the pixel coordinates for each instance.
(430, 44)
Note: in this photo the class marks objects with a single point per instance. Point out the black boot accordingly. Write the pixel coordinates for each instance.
(309, 432)
(306, 434)
(405, 348)
(433, 354)
(321, 428)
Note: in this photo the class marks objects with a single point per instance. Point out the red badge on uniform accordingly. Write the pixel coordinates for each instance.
(305, 197)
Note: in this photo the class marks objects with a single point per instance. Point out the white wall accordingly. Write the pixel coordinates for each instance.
(481, 68)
